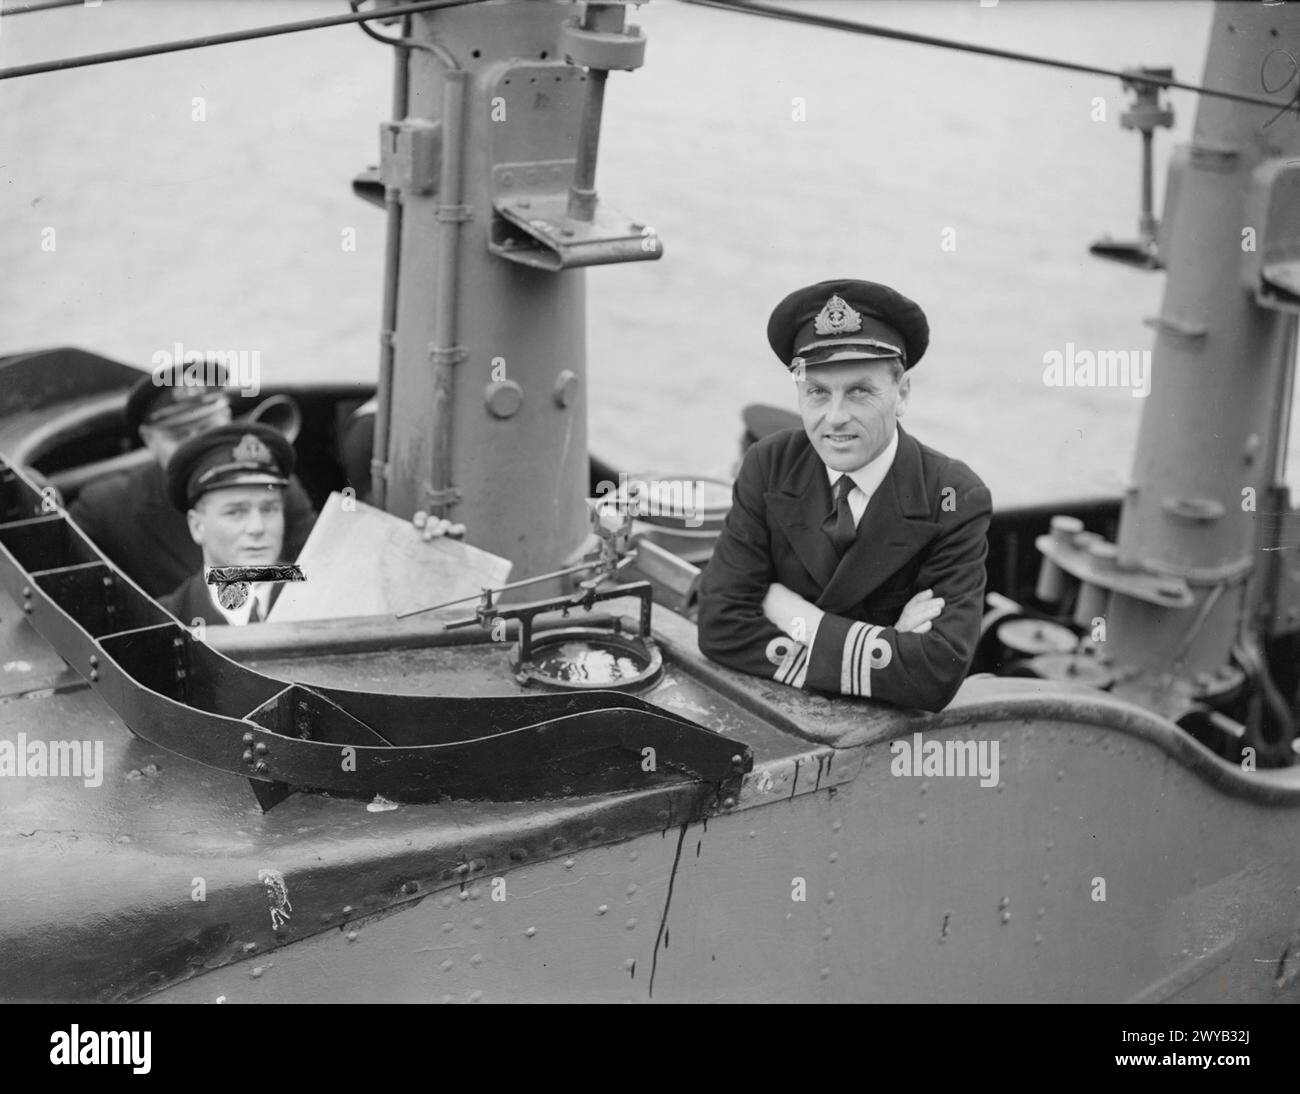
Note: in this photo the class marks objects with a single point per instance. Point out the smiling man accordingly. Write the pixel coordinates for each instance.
(230, 483)
(852, 560)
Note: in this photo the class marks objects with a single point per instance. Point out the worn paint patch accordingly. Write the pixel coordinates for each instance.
(1202, 928)
(277, 896)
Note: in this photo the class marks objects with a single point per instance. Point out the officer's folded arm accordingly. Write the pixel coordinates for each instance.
(733, 629)
(754, 624)
(799, 618)
(848, 345)
(921, 669)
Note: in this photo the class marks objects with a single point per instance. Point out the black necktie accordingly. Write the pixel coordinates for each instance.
(840, 526)
(254, 615)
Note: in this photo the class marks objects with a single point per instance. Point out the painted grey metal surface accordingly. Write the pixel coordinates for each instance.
(1112, 857)
(1099, 868)
(158, 875)
(1205, 499)
(176, 692)
(489, 404)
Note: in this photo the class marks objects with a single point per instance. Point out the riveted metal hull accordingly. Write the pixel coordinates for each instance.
(1107, 856)
(153, 883)
(922, 889)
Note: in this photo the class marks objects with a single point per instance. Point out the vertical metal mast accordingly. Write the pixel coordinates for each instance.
(1193, 543)
(487, 395)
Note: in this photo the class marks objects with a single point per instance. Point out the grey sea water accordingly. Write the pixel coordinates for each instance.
(225, 233)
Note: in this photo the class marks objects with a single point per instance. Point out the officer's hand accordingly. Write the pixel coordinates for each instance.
(919, 612)
(433, 527)
(788, 611)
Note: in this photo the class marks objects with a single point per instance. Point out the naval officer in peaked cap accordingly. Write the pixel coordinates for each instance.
(852, 559)
(129, 515)
(230, 483)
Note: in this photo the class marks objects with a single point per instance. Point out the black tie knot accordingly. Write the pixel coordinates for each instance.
(840, 525)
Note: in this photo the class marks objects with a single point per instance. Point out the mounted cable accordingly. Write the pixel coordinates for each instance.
(85, 60)
(41, 5)
(747, 7)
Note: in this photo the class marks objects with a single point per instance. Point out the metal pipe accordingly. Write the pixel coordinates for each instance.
(392, 272)
(582, 194)
(1278, 497)
(576, 569)
(444, 352)
(1288, 335)
(1147, 227)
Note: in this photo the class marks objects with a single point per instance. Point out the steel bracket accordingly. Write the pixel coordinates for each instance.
(535, 140)
(410, 155)
(1077, 560)
(539, 232)
(451, 355)
(454, 214)
(608, 49)
(433, 498)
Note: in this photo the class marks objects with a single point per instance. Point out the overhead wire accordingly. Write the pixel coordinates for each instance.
(369, 32)
(405, 41)
(107, 57)
(749, 7)
(37, 5)
(746, 7)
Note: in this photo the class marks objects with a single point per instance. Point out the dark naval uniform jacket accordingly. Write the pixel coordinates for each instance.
(131, 520)
(925, 527)
(193, 599)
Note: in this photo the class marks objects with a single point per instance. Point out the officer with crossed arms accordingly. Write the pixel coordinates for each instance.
(852, 559)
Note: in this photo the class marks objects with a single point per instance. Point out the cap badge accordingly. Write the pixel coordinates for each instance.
(838, 318)
(251, 449)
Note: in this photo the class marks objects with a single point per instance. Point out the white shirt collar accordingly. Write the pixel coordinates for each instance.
(238, 617)
(870, 475)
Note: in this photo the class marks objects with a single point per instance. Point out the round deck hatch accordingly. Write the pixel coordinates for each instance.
(588, 657)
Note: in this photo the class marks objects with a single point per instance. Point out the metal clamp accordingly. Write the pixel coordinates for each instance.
(596, 47)
(448, 496)
(1145, 115)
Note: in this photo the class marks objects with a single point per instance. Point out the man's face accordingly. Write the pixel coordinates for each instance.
(849, 409)
(239, 525)
(162, 442)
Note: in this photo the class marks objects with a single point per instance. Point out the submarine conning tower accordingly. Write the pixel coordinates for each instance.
(1206, 571)
(488, 172)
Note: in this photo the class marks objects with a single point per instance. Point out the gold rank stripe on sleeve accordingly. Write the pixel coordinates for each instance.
(864, 650)
(792, 665)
